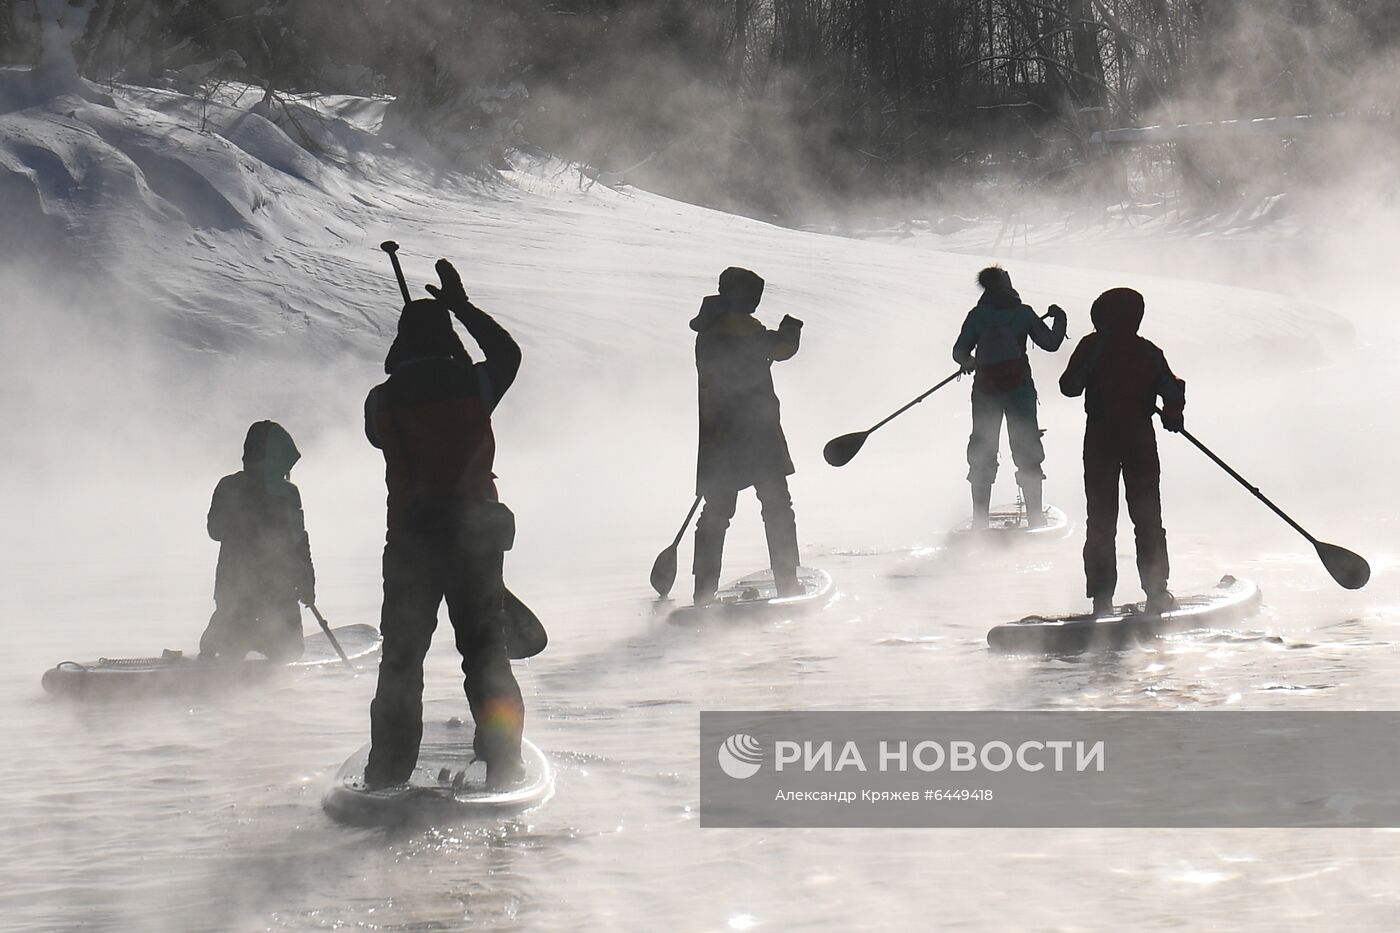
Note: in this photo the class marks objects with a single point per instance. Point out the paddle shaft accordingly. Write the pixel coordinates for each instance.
(320, 620)
(688, 516)
(392, 249)
(1254, 490)
(916, 401)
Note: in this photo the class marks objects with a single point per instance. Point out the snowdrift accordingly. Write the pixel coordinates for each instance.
(229, 234)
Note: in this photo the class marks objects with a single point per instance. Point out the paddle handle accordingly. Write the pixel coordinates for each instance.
(321, 621)
(1253, 490)
(392, 248)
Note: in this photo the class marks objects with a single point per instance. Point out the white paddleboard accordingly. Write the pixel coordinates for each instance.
(1228, 601)
(757, 594)
(448, 783)
(1008, 523)
(175, 672)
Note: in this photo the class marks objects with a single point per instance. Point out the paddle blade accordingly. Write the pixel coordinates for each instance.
(839, 450)
(525, 634)
(663, 572)
(1348, 569)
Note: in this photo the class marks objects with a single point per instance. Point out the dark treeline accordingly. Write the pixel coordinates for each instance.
(757, 104)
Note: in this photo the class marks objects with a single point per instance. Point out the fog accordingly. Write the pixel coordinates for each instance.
(166, 286)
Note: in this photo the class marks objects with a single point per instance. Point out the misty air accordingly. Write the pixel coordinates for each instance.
(494, 466)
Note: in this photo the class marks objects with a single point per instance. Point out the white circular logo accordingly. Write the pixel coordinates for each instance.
(741, 756)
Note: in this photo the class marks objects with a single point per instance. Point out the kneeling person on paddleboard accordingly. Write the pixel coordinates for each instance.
(992, 346)
(264, 555)
(447, 532)
(1121, 375)
(741, 432)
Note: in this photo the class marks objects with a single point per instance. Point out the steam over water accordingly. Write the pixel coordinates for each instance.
(204, 814)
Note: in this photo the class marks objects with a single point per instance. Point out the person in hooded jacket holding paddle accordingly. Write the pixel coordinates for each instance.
(992, 346)
(264, 554)
(447, 532)
(741, 432)
(1121, 376)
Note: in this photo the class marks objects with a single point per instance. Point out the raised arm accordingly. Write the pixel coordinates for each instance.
(783, 342)
(502, 352)
(1049, 338)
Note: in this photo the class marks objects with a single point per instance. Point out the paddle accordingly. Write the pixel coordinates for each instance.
(320, 620)
(1348, 569)
(839, 451)
(392, 248)
(663, 572)
(524, 633)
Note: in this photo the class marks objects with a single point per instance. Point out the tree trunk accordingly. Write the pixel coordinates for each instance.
(1088, 62)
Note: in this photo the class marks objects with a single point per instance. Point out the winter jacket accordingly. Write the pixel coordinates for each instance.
(1120, 374)
(741, 433)
(256, 517)
(994, 336)
(432, 418)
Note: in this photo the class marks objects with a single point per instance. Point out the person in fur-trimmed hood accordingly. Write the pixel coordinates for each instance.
(992, 345)
(741, 433)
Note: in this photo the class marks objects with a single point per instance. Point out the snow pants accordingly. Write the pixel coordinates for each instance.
(420, 571)
(244, 622)
(779, 524)
(1017, 406)
(1129, 450)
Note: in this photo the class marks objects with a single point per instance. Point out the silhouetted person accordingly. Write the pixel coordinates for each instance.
(741, 432)
(264, 555)
(1121, 376)
(992, 345)
(447, 533)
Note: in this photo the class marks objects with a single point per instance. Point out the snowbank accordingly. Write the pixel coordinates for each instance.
(230, 233)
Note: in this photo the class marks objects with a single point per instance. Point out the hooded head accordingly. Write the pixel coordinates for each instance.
(269, 452)
(741, 288)
(425, 330)
(996, 288)
(1118, 310)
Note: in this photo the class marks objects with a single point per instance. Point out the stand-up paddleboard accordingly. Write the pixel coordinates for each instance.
(1229, 601)
(757, 594)
(1008, 523)
(448, 783)
(174, 672)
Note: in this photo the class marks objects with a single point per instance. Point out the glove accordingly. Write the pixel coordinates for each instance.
(1174, 421)
(790, 321)
(451, 293)
(968, 364)
(1057, 311)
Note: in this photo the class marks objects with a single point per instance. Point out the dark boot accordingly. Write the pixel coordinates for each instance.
(1160, 601)
(981, 505)
(1035, 506)
(1103, 606)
